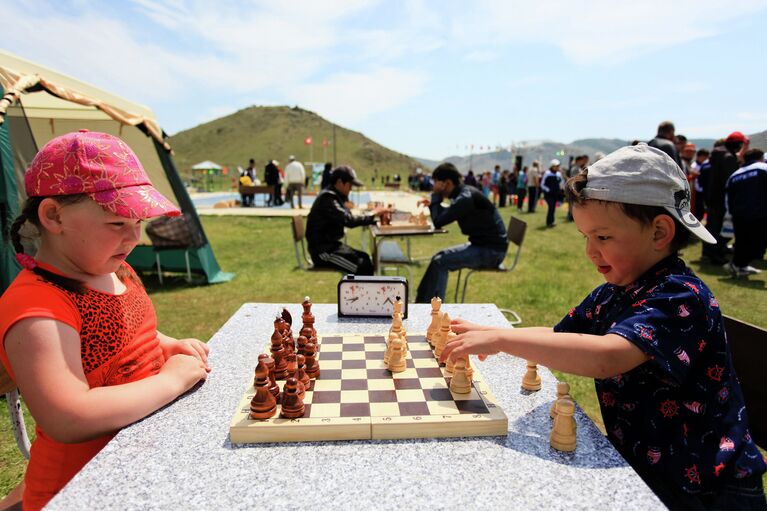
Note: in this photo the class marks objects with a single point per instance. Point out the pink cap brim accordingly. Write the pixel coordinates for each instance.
(141, 201)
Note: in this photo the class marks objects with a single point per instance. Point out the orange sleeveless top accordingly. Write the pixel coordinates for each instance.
(119, 344)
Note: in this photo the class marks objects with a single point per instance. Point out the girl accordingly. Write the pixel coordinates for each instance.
(79, 333)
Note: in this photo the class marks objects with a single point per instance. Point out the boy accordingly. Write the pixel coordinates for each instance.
(652, 337)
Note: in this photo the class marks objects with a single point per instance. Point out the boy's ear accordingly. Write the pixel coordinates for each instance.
(50, 218)
(664, 229)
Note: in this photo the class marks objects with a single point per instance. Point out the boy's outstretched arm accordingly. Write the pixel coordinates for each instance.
(46, 360)
(595, 356)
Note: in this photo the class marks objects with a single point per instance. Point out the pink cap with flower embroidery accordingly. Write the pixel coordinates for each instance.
(101, 166)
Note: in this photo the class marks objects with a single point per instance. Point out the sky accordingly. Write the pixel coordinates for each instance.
(425, 78)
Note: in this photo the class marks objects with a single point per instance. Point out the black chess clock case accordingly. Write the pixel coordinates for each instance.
(371, 296)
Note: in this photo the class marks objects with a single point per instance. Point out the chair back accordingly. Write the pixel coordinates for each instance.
(516, 234)
(748, 345)
(299, 231)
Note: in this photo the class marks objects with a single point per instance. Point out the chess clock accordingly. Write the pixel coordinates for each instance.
(363, 296)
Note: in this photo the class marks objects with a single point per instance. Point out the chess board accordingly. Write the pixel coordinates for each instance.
(356, 397)
(404, 225)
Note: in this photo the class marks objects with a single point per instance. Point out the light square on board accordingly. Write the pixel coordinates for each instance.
(375, 364)
(330, 364)
(353, 374)
(407, 373)
(433, 383)
(331, 348)
(410, 395)
(424, 362)
(381, 384)
(384, 409)
(326, 385)
(473, 395)
(353, 355)
(354, 396)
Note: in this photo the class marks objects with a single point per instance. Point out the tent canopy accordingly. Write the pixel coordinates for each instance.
(40, 104)
(206, 165)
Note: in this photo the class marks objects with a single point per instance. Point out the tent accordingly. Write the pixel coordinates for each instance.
(206, 165)
(39, 104)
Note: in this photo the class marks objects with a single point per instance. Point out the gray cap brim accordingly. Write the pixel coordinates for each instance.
(692, 224)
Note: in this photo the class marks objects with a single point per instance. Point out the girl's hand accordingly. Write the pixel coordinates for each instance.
(192, 347)
(476, 342)
(186, 370)
(460, 325)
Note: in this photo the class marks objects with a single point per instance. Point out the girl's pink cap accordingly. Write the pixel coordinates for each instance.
(101, 166)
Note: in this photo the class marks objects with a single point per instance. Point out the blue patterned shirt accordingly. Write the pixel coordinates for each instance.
(679, 419)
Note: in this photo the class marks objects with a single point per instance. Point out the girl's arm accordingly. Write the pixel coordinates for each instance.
(45, 356)
(595, 356)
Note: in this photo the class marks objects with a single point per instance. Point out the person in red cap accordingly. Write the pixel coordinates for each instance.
(725, 160)
(79, 332)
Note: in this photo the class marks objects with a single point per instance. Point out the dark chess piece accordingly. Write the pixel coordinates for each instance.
(263, 405)
(279, 328)
(273, 387)
(278, 354)
(302, 342)
(312, 365)
(292, 361)
(292, 403)
(287, 317)
(301, 372)
(308, 318)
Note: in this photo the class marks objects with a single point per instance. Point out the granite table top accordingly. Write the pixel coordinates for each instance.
(181, 458)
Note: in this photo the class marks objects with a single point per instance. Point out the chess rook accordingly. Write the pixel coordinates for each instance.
(531, 381)
(563, 433)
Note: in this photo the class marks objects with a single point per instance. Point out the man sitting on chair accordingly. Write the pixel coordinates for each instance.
(325, 225)
(477, 218)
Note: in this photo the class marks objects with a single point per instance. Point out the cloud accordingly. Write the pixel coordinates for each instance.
(350, 97)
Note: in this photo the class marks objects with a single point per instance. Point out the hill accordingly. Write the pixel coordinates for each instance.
(274, 132)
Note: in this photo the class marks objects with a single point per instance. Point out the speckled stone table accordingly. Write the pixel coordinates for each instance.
(181, 456)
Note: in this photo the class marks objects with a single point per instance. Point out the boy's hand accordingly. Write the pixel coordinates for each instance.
(191, 347)
(460, 325)
(186, 370)
(424, 202)
(476, 342)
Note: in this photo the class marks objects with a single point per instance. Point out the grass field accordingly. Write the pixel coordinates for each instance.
(552, 276)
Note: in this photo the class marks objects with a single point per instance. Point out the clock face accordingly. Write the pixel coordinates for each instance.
(369, 298)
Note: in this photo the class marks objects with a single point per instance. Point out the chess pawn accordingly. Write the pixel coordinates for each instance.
(396, 325)
(302, 342)
(444, 330)
(273, 387)
(278, 354)
(563, 392)
(292, 402)
(563, 437)
(387, 353)
(301, 373)
(450, 364)
(460, 383)
(436, 303)
(263, 405)
(397, 362)
(312, 365)
(292, 361)
(531, 381)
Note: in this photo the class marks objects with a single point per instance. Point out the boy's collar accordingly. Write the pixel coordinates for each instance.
(662, 267)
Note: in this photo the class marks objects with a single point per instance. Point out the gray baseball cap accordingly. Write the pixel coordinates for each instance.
(646, 176)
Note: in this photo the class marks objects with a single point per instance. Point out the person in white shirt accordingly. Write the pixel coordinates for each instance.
(295, 176)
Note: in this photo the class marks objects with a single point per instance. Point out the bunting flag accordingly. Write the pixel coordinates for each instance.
(325, 142)
(308, 141)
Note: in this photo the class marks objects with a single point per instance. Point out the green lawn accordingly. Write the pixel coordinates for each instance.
(552, 276)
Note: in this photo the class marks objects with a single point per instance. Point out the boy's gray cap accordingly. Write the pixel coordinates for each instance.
(646, 176)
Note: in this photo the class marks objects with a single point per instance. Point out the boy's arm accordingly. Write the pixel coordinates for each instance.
(595, 356)
(45, 356)
(441, 216)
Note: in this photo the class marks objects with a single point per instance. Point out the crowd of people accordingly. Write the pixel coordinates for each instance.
(294, 177)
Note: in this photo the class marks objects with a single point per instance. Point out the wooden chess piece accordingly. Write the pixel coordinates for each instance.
(301, 372)
(287, 317)
(302, 342)
(444, 330)
(308, 318)
(563, 392)
(387, 354)
(292, 361)
(397, 362)
(450, 363)
(563, 433)
(312, 365)
(531, 381)
(436, 303)
(396, 325)
(278, 354)
(292, 402)
(273, 387)
(460, 383)
(263, 405)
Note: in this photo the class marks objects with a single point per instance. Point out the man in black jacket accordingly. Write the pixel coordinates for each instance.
(664, 140)
(477, 218)
(327, 219)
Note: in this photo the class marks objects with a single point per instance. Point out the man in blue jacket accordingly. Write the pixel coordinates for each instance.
(746, 192)
(477, 218)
